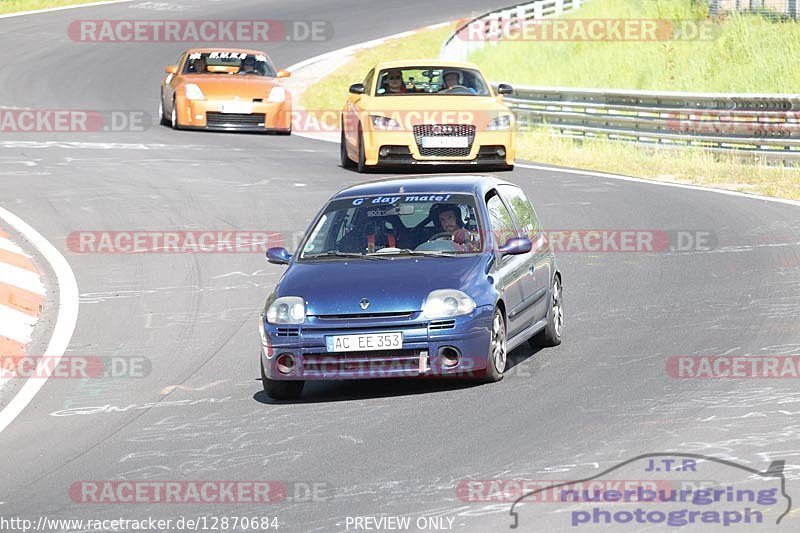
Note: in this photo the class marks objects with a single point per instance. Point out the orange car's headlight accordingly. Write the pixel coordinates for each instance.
(277, 94)
(193, 92)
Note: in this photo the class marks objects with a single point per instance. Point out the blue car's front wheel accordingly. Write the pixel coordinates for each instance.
(281, 390)
(498, 356)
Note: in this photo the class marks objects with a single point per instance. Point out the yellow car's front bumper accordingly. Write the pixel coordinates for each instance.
(496, 148)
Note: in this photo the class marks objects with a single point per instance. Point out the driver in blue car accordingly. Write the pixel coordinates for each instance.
(448, 218)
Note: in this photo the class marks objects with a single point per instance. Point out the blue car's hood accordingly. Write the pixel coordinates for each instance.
(336, 287)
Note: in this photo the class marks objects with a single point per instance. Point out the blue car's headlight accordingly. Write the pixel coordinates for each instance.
(287, 310)
(446, 303)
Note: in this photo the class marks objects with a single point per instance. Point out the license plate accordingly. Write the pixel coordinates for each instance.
(364, 343)
(445, 142)
(237, 107)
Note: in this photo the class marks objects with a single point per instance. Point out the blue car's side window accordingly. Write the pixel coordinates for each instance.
(522, 210)
(500, 221)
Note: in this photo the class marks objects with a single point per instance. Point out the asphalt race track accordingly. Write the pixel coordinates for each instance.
(376, 448)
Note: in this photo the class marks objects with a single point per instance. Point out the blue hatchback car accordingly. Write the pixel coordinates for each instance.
(412, 277)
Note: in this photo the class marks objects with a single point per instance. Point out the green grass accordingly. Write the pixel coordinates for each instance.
(682, 165)
(749, 54)
(331, 91)
(15, 6)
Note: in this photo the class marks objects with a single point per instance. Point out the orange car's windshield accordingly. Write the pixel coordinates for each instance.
(224, 62)
(409, 81)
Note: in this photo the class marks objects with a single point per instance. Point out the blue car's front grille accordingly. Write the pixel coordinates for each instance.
(287, 332)
(366, 316)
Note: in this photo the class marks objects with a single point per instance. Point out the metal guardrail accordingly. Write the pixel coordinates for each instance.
(494, 25)
(758, 124)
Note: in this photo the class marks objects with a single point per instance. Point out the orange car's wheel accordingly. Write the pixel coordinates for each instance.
(174, 116)
(162, 117)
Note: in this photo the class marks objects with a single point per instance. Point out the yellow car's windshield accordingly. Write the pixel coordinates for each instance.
(410, 81)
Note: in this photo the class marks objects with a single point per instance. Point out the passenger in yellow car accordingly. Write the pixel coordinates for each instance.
(394, 82)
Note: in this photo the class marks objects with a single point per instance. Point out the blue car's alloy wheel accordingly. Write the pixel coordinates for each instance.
(496, 364)
(551, 334)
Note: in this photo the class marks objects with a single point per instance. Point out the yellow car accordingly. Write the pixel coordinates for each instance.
(427, 112)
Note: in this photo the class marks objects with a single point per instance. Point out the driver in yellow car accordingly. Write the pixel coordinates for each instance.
(454, 79)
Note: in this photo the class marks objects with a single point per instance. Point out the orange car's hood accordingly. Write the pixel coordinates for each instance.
(226, 86)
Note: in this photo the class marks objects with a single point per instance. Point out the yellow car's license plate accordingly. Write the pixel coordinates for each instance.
(364, 342)
(445, 142)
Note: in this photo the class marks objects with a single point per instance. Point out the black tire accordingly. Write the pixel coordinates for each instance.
(553, 331)
(173, 122)
(362, 158)
(284, 132)
(163, 120)
(496, 364)
(343, 157)
(281, 390)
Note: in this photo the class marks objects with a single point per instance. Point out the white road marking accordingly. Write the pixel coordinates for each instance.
(65, 321)
(21, 278)
(9, 246)
(16, 325)
(62, 8)
(662, 183)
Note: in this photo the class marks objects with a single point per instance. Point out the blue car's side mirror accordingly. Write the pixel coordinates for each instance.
(278, 256)
(516, 246)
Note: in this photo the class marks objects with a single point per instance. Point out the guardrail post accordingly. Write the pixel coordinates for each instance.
(559, 7)
(792, 8)
(538, 11)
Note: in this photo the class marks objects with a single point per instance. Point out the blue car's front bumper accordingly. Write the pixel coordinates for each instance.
(420, 355)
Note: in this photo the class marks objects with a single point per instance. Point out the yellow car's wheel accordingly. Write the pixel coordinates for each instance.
(362, 156)
(344, 158)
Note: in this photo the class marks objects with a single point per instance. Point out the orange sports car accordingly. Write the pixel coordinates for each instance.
(227, 90)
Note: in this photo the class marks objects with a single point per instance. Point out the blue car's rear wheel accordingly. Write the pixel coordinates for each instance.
(281, 390)
(498, 356)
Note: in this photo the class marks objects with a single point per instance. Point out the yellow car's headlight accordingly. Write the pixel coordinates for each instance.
(500, 123)
(384, 123)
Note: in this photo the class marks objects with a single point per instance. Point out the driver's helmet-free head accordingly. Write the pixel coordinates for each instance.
(250, 62)
(438, 209)
(457, 73)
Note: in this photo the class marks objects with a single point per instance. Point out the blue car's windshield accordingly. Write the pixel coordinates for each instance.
(396, 224)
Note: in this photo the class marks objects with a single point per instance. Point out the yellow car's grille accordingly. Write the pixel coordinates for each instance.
(444, 130)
